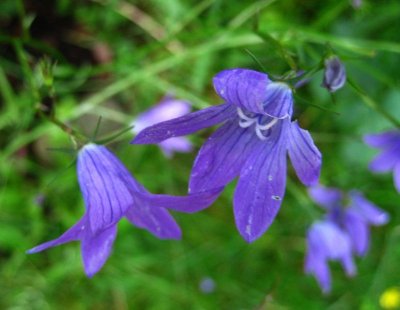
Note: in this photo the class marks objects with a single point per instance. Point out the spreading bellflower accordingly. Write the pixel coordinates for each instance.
(343, 232)
(110, 193)
(326, 241)
(252, 143)
(389, 159)
(167, 109)
(334, 75)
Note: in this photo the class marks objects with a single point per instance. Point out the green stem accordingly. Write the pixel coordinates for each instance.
(77, 138)
(368, 101)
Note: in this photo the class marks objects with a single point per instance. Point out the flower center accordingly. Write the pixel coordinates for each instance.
(262, 123)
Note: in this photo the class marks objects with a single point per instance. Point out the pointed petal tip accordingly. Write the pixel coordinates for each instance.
(32, 251)
(172, 234)
(249, 234)
(90, 272)
(177, 236)
(249, 238)
(138, 139)
(326, 290)
(312, 182)
(304, 155)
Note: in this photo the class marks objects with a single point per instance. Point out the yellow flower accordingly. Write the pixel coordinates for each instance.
(390, 299)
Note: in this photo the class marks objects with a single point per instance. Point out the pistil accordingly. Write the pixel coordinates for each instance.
(247, 121)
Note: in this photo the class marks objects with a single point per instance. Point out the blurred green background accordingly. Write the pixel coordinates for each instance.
(117, 58)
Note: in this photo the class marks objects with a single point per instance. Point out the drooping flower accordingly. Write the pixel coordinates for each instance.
(334, 75)
(326, 241)
(167, 109)
(110, 193)
(389, 159)
(252, 143)
(343, 232)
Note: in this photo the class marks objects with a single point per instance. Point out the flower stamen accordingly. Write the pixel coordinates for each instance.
(260, 134)
(268, 125)
(246, 121)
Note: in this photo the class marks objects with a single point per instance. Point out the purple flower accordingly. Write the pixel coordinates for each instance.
(110, 193)
(344, 231)
(326, 241)
(167, 109)
(334, 75)
(252, 143)
(389, 159)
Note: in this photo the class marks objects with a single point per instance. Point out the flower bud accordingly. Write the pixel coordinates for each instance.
(334, 75)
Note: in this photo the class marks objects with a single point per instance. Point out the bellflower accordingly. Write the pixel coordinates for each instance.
(110, 192)
(334, 75)
(343, 232)
(167, 109)
(326, 241)
(389, 159)
(255, 136)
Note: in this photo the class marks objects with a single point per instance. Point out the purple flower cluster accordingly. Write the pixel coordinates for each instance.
(255, 137)
(110, 193)
(253, 141)
(342, 233)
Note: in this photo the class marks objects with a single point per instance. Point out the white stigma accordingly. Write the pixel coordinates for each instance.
(246, 121)
(268, 125)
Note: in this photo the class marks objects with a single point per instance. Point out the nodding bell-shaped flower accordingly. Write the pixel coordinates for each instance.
(326, 242)
(252, 143)
(110, 193)
(343, 232)
(334, 75)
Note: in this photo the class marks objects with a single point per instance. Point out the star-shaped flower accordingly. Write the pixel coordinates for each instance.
(255, 136)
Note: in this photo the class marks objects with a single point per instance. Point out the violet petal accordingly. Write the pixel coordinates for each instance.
(358, 231)
(254, 92)
(326, 197)
(72, 234)
(369, 211)
(382, 140)
(222, 156)
(386, 160)
(157, 221)
(186, 124)
(304, 155)
(106, 194)
(96, 248)
(193, 202)
(261, 187)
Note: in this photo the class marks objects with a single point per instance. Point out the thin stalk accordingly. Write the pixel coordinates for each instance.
(368, 101)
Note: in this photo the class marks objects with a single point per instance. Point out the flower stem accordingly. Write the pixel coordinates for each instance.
(372, 104)
(77, 138)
